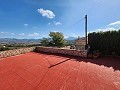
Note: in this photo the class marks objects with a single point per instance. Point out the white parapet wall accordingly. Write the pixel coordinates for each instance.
(72, 52)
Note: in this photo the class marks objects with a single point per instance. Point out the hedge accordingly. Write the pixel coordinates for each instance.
(106, 42)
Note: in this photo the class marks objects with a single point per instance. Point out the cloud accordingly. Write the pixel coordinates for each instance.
(57, 23)
(114, 23)
(26, 24)
(55, 31)
(104, 29)
(12, 33)
(49, 23)
(22, 34)
(3, 32)
(7, 33)
(46, 13)
(33, 34)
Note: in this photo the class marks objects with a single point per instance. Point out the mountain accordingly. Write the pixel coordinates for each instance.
(14, 40)
(71, 38)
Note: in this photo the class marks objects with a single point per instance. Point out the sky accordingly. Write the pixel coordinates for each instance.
(26, 19)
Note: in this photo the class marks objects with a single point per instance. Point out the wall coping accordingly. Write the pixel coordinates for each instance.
(73, 52)
(62, 48)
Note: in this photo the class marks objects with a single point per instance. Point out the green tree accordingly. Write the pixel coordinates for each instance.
(45, 42)
(57, 39)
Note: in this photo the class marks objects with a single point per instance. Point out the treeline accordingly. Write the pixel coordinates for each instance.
(106, 42)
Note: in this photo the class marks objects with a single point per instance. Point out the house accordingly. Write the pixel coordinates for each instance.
(80, 43)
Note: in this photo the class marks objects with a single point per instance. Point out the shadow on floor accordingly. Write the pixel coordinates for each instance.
(107, 61)
(58, 63)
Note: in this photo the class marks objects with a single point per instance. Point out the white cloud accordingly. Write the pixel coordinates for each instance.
(22, 34)
(57, 23)
(106, 29)
(25, 24)
(3, 32)
(7, 33)
(55, 31)
(12, 33)
(103, 30)
(114, 23)
(46, 13)
(33, 34)
(49, 23)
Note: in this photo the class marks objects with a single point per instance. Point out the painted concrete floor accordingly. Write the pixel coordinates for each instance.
(38, 71)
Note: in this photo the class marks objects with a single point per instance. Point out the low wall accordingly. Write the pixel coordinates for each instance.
(9, 53)
(62, 51)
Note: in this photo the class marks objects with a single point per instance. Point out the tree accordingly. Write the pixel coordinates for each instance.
(45, 42)
(57, 39)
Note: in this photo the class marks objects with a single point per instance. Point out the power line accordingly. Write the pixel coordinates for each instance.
(76, 23)
(95, 1)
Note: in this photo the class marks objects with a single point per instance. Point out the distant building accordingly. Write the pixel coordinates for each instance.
(80, 43)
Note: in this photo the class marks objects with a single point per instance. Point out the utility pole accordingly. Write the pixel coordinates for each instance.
(86, 29)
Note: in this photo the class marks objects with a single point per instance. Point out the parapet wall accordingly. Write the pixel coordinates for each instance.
(9, 53)
(72, 52)
(62, 51)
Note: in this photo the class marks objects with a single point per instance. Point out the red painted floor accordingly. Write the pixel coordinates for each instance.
(37, 71)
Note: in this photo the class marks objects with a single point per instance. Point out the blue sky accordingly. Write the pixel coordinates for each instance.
(36, 18)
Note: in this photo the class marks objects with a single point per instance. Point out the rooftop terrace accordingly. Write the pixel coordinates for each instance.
(42, 71)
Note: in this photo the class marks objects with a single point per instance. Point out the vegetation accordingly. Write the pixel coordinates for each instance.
(15, 46)
(56, 40)
(45, 42)
(2, 48)
(105, 42)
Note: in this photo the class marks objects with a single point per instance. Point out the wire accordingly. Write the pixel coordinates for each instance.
(76, 23)
(95, 1)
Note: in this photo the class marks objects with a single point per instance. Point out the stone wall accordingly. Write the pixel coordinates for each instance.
(72, 52)
(62, 51)
(9, 53)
